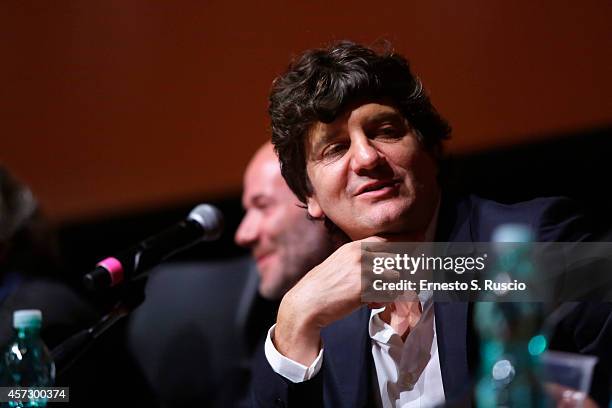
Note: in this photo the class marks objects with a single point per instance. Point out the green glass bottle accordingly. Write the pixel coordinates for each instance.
(509, 332)
(26, 362)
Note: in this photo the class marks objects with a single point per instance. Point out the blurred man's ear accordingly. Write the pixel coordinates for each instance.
(314, 209)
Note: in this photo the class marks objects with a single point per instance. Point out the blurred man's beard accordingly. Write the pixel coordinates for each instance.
(286, 272)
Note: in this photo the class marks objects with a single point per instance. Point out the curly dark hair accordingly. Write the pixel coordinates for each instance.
(319, 85)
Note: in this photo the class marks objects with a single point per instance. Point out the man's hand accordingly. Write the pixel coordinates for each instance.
(327, 293)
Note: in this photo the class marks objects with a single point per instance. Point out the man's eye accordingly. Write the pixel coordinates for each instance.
(262, 206)
(389, 131)
(334, 149)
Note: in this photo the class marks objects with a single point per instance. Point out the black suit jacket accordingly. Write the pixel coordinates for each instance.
(346, 376)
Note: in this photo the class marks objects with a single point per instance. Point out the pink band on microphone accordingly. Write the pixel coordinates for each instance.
(114, 268)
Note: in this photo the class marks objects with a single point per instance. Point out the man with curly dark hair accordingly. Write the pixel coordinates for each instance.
(359, 143)
(322, 84)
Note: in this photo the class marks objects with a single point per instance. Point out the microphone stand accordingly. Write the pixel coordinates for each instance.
(70, 350)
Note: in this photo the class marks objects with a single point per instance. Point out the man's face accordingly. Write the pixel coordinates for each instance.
(284, 243)
(370, 174)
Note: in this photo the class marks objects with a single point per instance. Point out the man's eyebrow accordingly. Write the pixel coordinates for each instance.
(251, 200)
(329, 135)
(324, 138)
(387, 115)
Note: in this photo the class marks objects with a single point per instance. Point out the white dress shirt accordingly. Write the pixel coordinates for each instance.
(408, 372)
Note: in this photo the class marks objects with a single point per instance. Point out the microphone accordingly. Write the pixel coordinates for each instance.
(204, 223)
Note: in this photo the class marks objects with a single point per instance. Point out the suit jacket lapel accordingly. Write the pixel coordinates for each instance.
(454, 225)
(451, 329)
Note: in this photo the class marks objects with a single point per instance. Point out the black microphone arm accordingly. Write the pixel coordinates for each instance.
(204, 223)
(69, 351)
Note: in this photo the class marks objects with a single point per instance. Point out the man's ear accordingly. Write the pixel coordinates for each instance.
(314, 209)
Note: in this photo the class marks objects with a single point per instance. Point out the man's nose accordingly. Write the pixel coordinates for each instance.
(246, 235)
(364, 156)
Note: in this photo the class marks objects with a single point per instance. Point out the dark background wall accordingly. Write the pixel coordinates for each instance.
(122, 107)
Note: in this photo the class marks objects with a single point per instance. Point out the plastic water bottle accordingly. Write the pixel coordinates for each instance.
(26, 361)
(510, 342)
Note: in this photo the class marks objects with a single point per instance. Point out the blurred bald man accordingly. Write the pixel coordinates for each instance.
(198, 330)
(284, 242)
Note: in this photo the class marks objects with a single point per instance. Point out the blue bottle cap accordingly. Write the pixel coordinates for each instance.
(23, 319)
(513, 233)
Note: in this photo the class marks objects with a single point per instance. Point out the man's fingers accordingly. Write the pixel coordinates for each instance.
(375, 288)
(373, 243)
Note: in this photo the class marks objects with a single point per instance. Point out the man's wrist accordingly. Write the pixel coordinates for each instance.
(296, 336)
(287, 368)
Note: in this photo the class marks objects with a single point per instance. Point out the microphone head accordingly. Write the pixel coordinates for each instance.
(211, 220)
